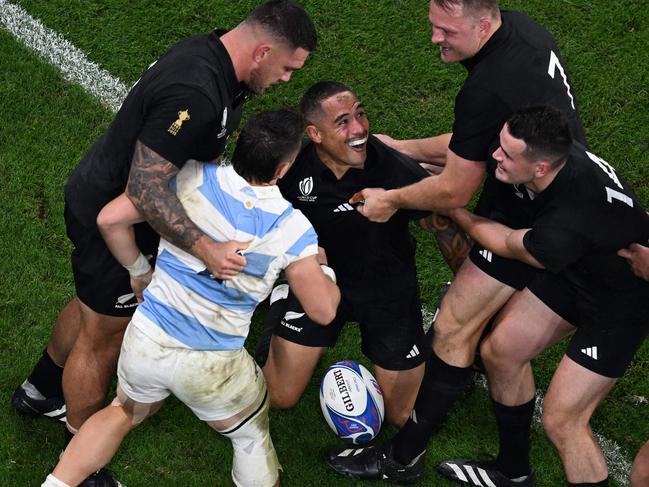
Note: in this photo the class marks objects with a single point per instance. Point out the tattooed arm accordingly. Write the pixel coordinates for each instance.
(148, 189)
(453, 242)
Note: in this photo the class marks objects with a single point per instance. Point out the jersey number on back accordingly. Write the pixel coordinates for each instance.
(611, 194)
(552, 69)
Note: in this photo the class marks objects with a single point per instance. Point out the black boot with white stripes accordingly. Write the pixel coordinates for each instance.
(375, 463)
(481, 474)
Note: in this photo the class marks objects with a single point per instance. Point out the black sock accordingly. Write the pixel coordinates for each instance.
(514, 424)
(441, 386)
(603, 483)
(47, 376)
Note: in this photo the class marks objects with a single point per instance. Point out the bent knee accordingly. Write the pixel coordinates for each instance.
(282, 399)
(559, 425)
(397, 418)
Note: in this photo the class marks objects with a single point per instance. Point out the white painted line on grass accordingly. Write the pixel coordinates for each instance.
(73, 64)
(77, 68)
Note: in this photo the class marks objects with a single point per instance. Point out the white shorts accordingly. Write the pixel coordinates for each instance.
(225, 388)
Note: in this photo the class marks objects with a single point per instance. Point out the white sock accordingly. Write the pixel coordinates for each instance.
(52, 481)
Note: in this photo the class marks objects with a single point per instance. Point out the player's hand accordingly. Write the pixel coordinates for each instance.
(374, 204)
(638, 258)
(139, 283)
(389, 141)
(222, 259)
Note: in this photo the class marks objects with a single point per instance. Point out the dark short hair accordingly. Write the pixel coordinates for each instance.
(268, 139)
(471, 6)
(288, 22)
(545, 131)
(311, 103)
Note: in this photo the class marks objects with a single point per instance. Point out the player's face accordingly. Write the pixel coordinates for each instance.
(343, 131)
(457, 35)
(277, 64)
(513, 167)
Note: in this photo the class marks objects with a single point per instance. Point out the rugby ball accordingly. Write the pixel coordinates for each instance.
(352, 402)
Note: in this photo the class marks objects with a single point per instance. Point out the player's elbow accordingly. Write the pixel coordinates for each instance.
(106, 221)
(324, 309)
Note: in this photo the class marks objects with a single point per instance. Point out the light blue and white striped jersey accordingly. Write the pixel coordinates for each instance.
(185, 307)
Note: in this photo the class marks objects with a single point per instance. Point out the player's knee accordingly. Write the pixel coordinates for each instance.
(282, 398)
(397, 417)
(559, 426)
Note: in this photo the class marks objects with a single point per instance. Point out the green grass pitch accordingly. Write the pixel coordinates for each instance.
(382, 49)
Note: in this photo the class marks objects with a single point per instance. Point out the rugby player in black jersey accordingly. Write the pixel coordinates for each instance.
(374, 262)
(582, 213)
(183, 107)
(511, 62)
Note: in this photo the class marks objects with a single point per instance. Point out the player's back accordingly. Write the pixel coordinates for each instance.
(183, 301)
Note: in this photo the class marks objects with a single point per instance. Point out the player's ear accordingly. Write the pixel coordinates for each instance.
(484, 26)
(260, 52)
(542, 168)
(314, 134)
(282, 169)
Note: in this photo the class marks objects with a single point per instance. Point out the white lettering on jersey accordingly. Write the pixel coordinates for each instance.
(611, 194)
(552, 68)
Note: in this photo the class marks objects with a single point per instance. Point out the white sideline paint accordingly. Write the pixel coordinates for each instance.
(73, 64)
(77, 68)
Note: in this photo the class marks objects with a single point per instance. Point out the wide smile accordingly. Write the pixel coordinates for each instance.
(358, 145)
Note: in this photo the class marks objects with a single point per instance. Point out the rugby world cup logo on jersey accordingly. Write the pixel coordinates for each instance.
(306, 186)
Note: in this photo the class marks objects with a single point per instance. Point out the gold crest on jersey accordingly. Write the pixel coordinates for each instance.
(183, 116)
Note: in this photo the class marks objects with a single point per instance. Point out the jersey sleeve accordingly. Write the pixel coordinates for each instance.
(405, 171)
(556, 244)
(175, 122)
(300, 238)
(479, 116)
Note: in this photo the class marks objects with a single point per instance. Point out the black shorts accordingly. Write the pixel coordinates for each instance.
(390, 318)
(513, 273)
(501, 202)
(101, 282)
(609, 330)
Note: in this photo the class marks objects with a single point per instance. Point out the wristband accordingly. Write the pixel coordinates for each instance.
(328, 271)
(138, 268)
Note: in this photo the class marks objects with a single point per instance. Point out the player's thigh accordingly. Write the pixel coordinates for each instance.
(473, 298)
(144, 368)
(573, 394)
(99, 334)
(391, 324)
(101, 283)
(289, 369)
(523, 329)
(225, 386)
(134, 410)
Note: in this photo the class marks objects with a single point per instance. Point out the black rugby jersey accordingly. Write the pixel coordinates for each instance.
(357, 249)
(520, 65)
(581, 220)
(183, 107)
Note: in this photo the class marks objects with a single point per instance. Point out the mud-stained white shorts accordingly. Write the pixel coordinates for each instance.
(225, 388)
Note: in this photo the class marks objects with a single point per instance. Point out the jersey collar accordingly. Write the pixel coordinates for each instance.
(494, 42)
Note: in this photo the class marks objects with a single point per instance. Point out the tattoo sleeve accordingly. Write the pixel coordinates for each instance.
(148, 189)
(453, 242)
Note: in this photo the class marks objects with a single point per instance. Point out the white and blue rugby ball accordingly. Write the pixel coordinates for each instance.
(352, 402)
